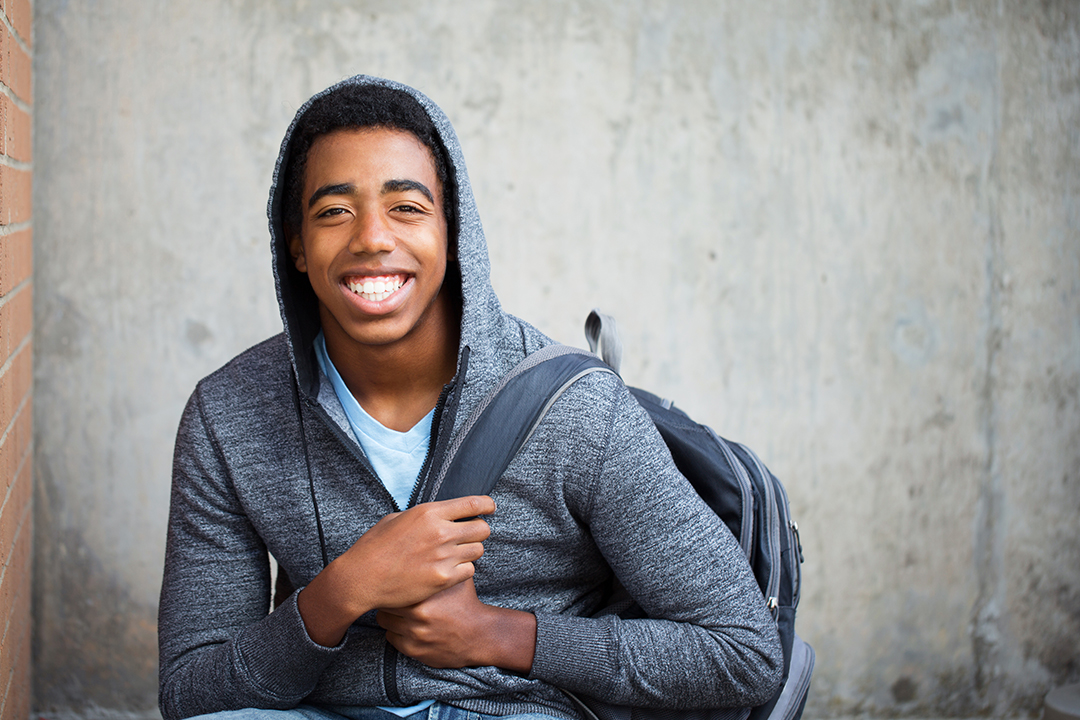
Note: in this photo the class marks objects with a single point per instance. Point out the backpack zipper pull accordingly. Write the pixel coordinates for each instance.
(798, 540)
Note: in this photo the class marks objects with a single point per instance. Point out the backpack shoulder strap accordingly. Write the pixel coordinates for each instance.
(507, 417)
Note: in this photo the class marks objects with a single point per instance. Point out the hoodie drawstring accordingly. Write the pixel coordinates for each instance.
(307, 462)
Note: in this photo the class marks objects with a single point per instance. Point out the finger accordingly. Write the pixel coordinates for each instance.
(389, 621)
(462, 572)
(469, 553)
(471, 531)
(388, 517)
(397, 641)
(464, 507)
(444, 532)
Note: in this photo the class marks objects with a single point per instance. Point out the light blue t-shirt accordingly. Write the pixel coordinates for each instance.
(396, 457)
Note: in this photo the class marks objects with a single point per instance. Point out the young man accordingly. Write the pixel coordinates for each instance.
(312, 443)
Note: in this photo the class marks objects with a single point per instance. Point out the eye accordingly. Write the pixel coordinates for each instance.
(330, 212)
(408, 208)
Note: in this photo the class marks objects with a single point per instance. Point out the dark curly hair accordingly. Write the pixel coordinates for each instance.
(350, 107)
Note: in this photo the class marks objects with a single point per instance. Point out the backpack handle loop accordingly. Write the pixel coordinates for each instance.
(602, 333)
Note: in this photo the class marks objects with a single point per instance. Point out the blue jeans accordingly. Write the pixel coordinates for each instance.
(438, 711)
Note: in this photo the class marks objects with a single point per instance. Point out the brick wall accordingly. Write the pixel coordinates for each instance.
(16, 323)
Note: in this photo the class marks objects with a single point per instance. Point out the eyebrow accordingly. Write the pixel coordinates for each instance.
(339, 189)
(389, 186)
(405, 185)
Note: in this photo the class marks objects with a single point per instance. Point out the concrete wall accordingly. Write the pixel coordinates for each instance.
(16, 356)
(846, 233)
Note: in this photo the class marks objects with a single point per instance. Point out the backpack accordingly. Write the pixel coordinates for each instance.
(728, 476)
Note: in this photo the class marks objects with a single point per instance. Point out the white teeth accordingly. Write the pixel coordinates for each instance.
(376, 290)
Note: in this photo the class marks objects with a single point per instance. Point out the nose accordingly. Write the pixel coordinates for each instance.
(372, 235)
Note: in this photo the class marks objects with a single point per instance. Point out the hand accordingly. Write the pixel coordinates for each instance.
(407, 557)
(453, 629)
(404, 559)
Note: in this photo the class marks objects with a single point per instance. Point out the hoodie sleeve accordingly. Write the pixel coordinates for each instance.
(708, 640)
(219, 647)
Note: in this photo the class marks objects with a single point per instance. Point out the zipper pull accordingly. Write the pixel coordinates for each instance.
(798, 540)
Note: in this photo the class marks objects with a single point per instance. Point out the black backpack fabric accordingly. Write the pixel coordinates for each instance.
(729, 477)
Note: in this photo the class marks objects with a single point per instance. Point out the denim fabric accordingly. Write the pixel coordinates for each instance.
(438, 711)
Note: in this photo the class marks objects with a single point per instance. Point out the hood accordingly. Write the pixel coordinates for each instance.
(482, 317)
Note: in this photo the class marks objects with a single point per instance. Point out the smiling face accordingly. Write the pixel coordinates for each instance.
(373, 240)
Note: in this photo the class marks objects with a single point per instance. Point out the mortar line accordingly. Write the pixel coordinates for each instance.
(3, 506)
(11, 675)
(7, 562)
(19, 102)
(15, 33)
(7, 496)
(14, 419)
(10, 295)
(16, 164)
(12, 228)
(15, 353)
(9, 91)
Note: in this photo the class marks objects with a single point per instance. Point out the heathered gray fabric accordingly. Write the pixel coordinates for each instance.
(593, 495)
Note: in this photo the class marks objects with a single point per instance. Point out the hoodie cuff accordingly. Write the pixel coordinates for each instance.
(574, 653)
(279, 657)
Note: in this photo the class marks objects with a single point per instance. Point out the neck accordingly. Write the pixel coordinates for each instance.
(400, 382)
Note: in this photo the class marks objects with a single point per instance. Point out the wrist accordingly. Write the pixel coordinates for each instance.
(511, 638)
(326, 607)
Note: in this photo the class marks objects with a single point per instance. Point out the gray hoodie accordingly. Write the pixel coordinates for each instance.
(593, 496)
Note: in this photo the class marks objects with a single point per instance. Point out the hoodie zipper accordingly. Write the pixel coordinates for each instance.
(390, 685)
(435, 420)
(390, 654)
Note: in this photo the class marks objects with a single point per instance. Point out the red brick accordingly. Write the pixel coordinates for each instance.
(14, 195)
(13, 514)
(14, 385)
(16, 574)
(17, 703)
(14, 650)
(21, 16)
(16, 569)
(16, 321)
(15, 606)
(16, 259)
(15, 67)
(15, 447)
(17, 128)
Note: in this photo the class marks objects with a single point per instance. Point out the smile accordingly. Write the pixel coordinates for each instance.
(375, 289)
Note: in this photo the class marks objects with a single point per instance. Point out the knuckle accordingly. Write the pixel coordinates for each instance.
(482, 504)
(443, 534)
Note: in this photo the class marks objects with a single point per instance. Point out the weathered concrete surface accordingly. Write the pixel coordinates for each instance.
(847, 233)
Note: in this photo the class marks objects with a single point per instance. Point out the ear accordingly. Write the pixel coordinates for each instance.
(296, 249)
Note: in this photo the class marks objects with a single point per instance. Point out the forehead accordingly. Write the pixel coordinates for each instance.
(369, 155)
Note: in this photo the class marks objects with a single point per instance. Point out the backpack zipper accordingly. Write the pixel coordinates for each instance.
(796, 555)
(773, 527)
(746, 530)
